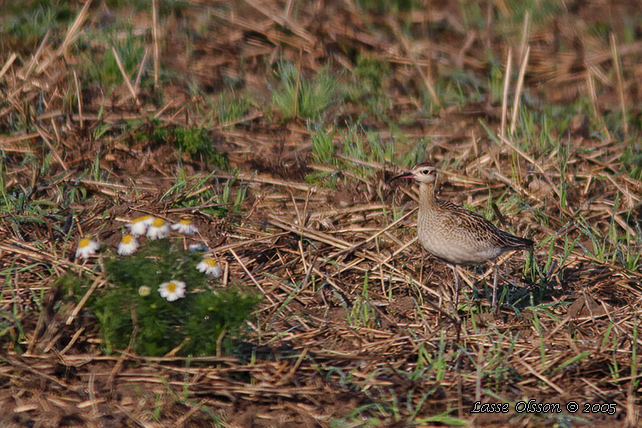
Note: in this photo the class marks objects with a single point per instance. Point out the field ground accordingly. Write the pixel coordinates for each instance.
(275, 126)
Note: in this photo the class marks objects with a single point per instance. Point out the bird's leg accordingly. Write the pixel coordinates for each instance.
(456, 285)
(455, 316)
(456, 299)
(495, 308)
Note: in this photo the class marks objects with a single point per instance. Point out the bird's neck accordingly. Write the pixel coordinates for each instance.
(427, 197)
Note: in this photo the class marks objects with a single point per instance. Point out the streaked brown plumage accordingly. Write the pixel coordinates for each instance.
(454, 234)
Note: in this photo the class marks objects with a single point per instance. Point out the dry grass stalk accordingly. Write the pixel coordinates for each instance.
(590, 83)
(407, 48)
(126, 78)
(141, 68)
(35, 58)
(620, 84)
(502, 127)
(97, 283)
(310, 347)
(249, 274)
(72, 33)
(8, 63)
(532, 162)
(156, 41)
(518, 90)
(285, 22)
(526, 30)
(297, 87)
(47, 140)
(79, 99)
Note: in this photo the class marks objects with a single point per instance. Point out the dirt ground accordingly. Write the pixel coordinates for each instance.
(356, 326)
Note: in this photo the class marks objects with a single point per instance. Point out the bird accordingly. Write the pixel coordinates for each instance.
(456, 235)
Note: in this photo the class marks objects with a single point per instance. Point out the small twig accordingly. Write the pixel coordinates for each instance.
(274, 237)
(97, 282)
(238, 259)
(375, 235)
(195, 408)
(542, 378)
(15, 362)
(73, 340)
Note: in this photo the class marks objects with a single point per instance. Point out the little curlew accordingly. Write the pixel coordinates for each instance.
(455, 235)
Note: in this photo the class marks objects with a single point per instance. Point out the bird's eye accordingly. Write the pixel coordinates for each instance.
(425, 172)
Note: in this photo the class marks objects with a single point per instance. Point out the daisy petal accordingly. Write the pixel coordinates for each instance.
(185, 226)
(210, 266)
(139, 225)
(86, 247)
(127, 245)
(172, 290)
(158, 229)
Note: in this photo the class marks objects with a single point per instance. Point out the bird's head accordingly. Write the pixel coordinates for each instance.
(422, 173)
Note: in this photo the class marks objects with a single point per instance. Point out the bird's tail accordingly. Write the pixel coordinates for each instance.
(516, 242)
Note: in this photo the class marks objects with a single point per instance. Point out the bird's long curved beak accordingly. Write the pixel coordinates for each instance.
(404, 175)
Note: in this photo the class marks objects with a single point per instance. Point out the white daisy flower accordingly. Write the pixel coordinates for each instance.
(185, 226)
(139, 225)
(209, 266)
(87, 247)
(127, 245)
(172, 290)
(158, 229)
(144, 290)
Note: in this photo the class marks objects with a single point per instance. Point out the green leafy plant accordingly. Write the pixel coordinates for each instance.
(363, 313)
(190, 140)
(366, 86)
(381, 6)
(298, 96)
(28, 23)
(230, 108)
(132, 312)
(106, 72)
(323, 146)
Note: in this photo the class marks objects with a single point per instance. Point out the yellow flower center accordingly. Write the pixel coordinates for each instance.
(144, 290)
(84, 242)
(185, 222)
(127, 239)
(172, 286)
(211, 262)
(143, 218)
(158, 222)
